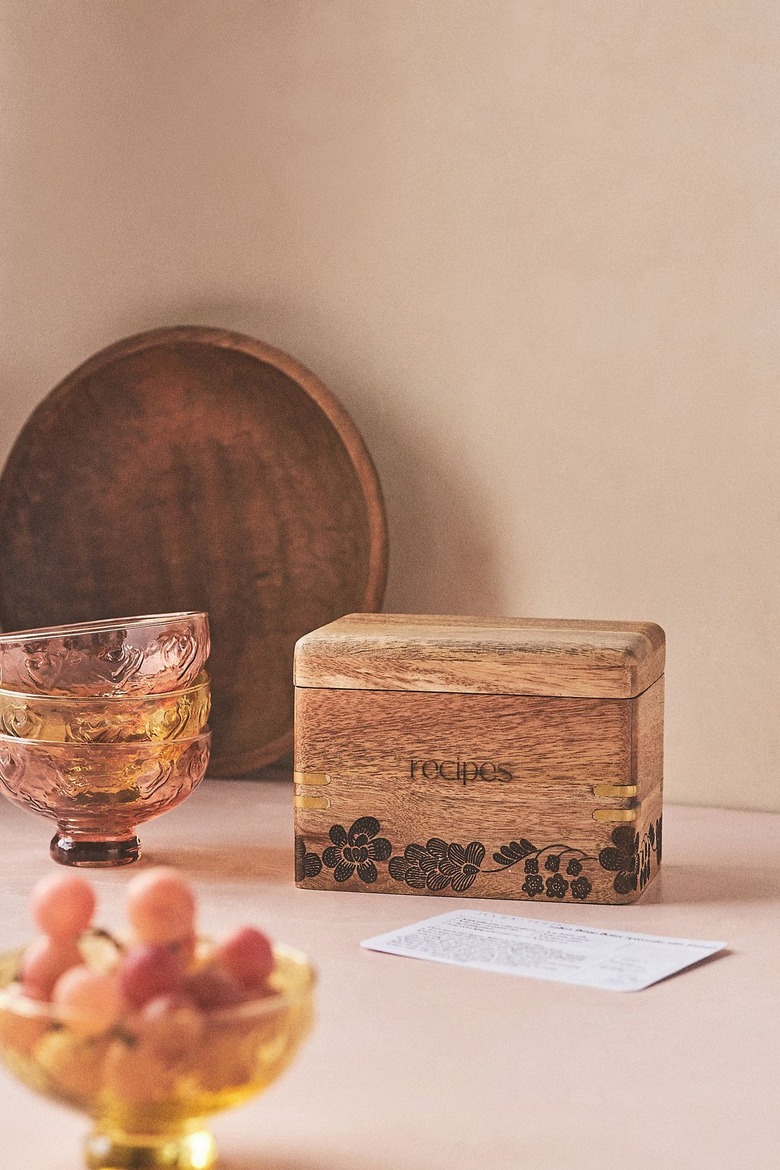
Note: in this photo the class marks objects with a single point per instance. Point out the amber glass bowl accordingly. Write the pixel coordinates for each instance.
(124, 656)
(99, 792)
(149, 1095)
(109, 718)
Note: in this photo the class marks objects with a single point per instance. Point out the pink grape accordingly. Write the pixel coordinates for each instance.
(63, 905)
(212, 989)
(147, 972)
(247, 956)
(44, 962)
(91, 1001)
(71, 1064)
(135, 1076)
(170, 1026)
(161, 906)
(186, 946)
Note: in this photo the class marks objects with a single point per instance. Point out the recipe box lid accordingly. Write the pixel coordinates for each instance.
(498, 656)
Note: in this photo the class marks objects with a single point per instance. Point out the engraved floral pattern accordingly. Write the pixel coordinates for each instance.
(356, 849)
(630, 858)
(551, 858)
(556, 886)
(555, 871)
(580, 888)
(307, 864)
(621, 857)
(532, 885)
(438, 866)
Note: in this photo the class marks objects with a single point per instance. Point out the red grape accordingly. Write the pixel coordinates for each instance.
(247, 955)
(212, 989)
(149, 971)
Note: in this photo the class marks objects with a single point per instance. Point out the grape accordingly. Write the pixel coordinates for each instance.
(212, 989)
(132, 1074)
(187, 947)
(100, 950)
(147, 972)
(63, 905)
(170, 1026)
(44, 961)
(161, 906)
(73, 1063)
(229, 1058)
(90, 1001)
(247, 956)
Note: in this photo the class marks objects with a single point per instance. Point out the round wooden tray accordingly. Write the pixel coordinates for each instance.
(189, 469)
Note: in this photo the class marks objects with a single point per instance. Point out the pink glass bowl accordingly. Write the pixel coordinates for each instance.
(99, 792)
(109, 718)
(124, 656)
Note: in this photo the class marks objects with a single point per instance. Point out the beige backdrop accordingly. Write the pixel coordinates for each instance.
(532, 245)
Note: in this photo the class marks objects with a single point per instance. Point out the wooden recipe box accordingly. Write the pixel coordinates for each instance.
(479, 757)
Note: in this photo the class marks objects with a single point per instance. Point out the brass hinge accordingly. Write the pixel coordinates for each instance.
(625, 792)
(307, 800)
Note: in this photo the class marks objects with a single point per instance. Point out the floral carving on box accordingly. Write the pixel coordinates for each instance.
(555, 870)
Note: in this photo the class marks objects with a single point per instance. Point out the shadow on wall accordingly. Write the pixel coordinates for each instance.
(443, 554)
(443, 551)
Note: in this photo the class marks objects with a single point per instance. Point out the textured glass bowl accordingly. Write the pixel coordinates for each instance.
(124, 656)
(107, 719)
(150, 1101)
(99, 792)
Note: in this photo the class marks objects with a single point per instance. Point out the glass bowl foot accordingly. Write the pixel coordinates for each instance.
(194, 1150)
(81, 851)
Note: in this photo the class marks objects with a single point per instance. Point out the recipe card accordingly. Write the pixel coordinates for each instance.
(616, 960)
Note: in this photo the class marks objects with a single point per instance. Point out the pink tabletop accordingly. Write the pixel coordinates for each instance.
(420, 1066)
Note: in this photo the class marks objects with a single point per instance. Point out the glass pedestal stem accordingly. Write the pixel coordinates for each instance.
(192, 1149)
(85, 851)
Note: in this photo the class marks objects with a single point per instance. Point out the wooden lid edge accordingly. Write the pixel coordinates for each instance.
(375, 652)
(336, 683)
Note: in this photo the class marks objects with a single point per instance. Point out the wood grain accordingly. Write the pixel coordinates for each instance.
(509, 768)
(482, 655)
(647, 739)
(194, 468)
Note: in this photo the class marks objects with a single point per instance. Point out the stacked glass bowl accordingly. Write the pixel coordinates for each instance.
(103, 725)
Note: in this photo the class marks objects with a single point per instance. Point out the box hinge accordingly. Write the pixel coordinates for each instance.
(304, 797)
(624, 792)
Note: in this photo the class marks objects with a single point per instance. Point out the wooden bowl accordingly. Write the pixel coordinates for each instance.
(196, 469)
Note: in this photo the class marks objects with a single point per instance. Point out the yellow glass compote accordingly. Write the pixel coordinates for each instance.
(151, 1090)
